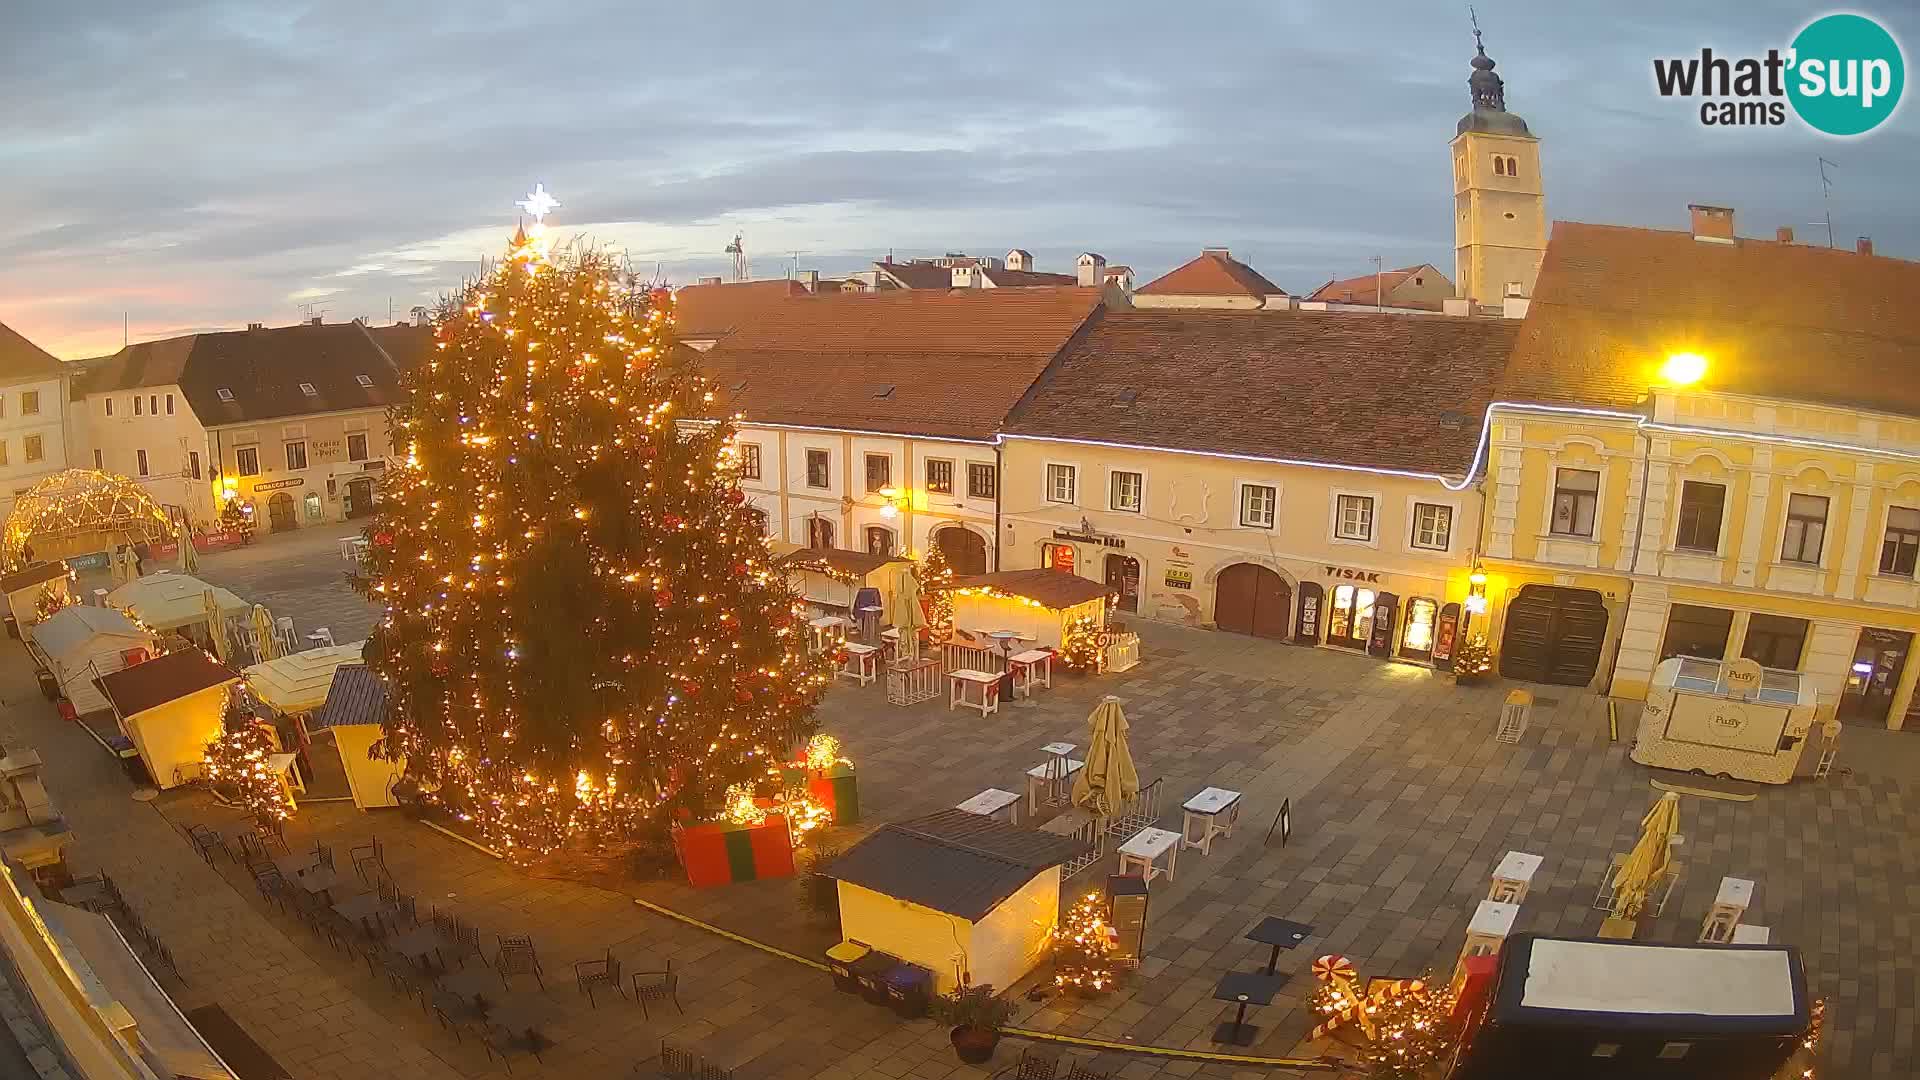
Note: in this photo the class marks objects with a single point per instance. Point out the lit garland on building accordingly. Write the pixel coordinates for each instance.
(239, 763)
(1083, 946)
(583, 633)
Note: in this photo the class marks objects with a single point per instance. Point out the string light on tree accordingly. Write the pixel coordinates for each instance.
(583, 636)
(1080, 645)
(1083, 947)
(239, 763)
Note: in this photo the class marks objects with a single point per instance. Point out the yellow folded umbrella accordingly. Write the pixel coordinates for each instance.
(1649, 860)
(1108, 785)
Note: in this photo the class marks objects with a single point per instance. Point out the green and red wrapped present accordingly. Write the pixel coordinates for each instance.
(836, 789)
(719, 852)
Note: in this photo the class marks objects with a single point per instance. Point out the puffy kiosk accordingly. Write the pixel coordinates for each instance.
(1731, 719)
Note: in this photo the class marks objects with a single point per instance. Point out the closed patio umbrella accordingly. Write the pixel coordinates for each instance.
(1649, 860)
(1108, 784)
(906, 601)
(216, 626)
(268, 644)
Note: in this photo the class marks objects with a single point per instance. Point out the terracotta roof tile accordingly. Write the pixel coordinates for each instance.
(1214, 273)
(1774, 320)
(917, 275)
(943, 364)
(1345, 388)
(1021, 279)
(22, 359)
(702, 312)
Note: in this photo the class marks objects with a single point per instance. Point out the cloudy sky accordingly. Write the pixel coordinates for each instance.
(185, 165)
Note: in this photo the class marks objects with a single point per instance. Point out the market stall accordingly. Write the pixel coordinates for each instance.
(1728, 719)
(23, 589)
(170, 601)
(293, 686)
(170, 708)
(80, 644)
(830, 580)
(971, 899)
(349, 722)
(80, 512)
(1037, 605)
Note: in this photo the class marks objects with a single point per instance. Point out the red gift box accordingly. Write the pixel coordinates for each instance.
(719, 852)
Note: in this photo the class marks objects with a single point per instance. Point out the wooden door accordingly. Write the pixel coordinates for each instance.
(1553, 635)
(280, 512)
(966, 552)
(1249, 599)
(1123, 577)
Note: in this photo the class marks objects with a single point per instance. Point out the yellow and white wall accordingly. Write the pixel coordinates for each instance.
(337, 475)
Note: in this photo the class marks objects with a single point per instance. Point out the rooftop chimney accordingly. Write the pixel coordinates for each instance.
(710, 280)
(1863, 245)
(811, 279)
(1712, 224)
(964, 277)
(1222, 252)
(256, 326)
(1784, 234)
(315, 321)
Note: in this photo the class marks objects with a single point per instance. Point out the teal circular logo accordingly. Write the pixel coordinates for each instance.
(1847, 74)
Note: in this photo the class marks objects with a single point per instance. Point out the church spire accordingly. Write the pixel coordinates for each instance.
(1488, 91)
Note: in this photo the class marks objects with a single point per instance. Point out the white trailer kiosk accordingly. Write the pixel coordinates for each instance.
(1591, 1009)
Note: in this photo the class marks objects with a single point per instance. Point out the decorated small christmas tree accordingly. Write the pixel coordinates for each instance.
(1083, 947)
(1473, 660)
(584, 636)
(1412, 1032)
(1080, 645)
(238, 764)
(49, 602)
(936, 578)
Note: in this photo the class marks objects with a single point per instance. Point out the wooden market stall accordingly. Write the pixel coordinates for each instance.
(80, 644)
(170, 601)
(1730, 719)
(292, 687)
(170, 708)
(830, 580)
(23, 588)
(1036, 604)
(971, 899)
(350, 721)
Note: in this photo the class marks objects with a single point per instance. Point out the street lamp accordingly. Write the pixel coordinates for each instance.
(891, 498)
(1684, 368)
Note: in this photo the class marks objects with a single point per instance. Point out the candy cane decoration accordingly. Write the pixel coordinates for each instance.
(1338, 971)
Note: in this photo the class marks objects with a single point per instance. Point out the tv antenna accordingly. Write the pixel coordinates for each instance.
(311, 308)
(1826, 189)
(738, 249)
(793, 262)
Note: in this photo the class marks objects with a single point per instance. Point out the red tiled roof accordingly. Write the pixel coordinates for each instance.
(918, 275)
(1344, 388)
(1359, 289)
(404, 343)
(162, 679)
(703, 312)
(22, 359)
(1773, 320)
(943, 364)
(1214, 273)
(1022, 279)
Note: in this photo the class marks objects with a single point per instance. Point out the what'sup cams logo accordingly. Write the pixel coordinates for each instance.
(1843, 75)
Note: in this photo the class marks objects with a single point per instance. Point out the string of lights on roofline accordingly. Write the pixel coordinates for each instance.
(457, 585)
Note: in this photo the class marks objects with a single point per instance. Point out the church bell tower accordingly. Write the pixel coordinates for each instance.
(1499, 202)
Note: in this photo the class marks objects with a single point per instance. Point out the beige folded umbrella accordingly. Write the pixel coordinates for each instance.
(263, 633)
(216, 625)
(189, 558)
(906, 601)
(1108, 785)
(1649, 860)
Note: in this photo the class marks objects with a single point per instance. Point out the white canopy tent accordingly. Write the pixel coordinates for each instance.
(298, 682)
(170, 601)
(80, 644)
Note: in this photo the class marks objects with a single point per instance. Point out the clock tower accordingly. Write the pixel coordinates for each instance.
(1499, 203)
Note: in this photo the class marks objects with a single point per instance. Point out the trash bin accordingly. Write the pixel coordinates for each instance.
(49, 686)
(840, 961)
(870, 971)
(908, 988)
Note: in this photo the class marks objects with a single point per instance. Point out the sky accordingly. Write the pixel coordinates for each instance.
(184, 166)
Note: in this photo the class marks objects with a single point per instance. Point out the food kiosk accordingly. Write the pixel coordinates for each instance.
(1730, 719)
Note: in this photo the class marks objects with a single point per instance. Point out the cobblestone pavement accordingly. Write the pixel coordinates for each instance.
(1401, 805)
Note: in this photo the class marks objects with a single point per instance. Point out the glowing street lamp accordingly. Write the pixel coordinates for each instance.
(892, 497)
(1684, 368)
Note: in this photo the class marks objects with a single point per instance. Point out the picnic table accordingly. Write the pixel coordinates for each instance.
(1143, 851)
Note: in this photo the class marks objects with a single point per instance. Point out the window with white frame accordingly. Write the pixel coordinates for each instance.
(1432, 526)
(819, 470)
(939, 476)
(246, 461)
(983, 481)
(879, 471)
(33, 448)
(1353, 517)
(1124, 490)
(1806, 529)
(1899, 549)
(749, 461)
(1702, 505)
(1257, 505)
(297, 454)
(1576, 499)
(1061, 483)
(30, 403)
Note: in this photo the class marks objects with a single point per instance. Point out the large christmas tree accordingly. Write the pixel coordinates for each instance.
(583, 632)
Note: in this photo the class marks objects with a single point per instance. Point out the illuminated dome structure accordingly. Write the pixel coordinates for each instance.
(80, 511)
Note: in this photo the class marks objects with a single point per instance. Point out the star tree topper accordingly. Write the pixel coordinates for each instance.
(538, 203)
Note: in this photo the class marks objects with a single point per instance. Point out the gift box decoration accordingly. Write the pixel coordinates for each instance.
(719, 852)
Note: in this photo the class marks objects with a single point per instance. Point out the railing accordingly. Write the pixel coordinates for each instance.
(913, 682)
(966, 657)
(1124, 653)
(1077, 824)
(1144, 812)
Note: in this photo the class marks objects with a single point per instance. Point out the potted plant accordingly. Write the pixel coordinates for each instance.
(976, 1015)
(819, 889)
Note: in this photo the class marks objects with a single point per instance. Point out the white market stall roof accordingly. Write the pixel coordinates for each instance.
(165, 601)
(299, 682)
(75, 628)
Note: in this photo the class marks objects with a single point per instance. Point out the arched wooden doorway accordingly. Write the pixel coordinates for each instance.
(1554, 635)
(1123, 579)
(1249, 599)
(280, 512)
(965, 550)
(359, 497)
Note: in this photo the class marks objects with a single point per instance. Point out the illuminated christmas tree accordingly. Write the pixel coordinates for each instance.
(936, 578)
(1473, 660)
(239, 767)
(1080, 645)
(583, 633)
(1083, 946)
(1412, 1032)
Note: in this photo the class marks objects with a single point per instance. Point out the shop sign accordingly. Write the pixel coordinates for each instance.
(1179, 579)
(92, 561)
(1742, 677)
(1181, 553)
(1371, 577)
(1088, 536)
(278, 484)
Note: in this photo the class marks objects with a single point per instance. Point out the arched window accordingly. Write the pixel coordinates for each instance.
(1513, 166)
(879, 540)
(1499, 165)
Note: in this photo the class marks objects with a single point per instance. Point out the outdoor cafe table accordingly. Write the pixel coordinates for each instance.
(292, 866)
(239, 838)
(1244, 988)
(417, 943)
(994, 803)
(477, 986)
(1144, 851)
(319, 882)
(1215, 810)
(361, 909)
(519, 1014)
(1034, 665)
(1053, 776)
(987, 683)
(1279, 933)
